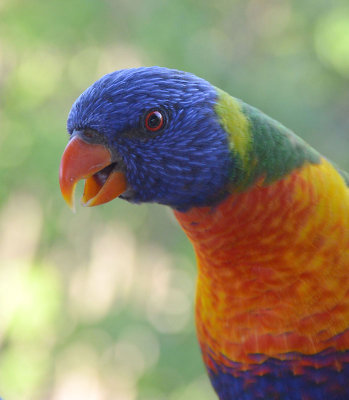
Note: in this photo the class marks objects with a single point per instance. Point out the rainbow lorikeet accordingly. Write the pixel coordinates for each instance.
(268, 217)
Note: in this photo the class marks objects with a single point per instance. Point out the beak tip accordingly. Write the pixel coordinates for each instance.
(87, 202)
(68, 193)
(84, 203)
(71, 203)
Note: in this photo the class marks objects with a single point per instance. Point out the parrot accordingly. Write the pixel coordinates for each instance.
(267, 216)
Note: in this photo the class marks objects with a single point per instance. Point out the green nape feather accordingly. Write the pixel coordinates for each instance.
(261, 146)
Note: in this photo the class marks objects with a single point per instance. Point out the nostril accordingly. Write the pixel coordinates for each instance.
(90, 134)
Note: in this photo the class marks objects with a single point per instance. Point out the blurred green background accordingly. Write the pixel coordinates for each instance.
(98, 305)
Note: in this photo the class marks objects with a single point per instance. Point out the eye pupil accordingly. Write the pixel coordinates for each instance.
(154, 121)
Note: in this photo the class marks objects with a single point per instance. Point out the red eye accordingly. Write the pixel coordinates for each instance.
(154, 121)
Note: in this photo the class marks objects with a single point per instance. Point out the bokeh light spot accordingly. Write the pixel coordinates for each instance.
(332, 40)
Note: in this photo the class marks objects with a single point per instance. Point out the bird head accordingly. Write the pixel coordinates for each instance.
(147, 135)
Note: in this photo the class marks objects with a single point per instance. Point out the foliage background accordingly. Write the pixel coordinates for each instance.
(99, 305)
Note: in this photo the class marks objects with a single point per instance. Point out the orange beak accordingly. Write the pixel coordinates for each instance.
(82, 160)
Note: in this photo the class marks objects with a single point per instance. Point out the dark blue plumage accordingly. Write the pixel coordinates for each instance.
(274, 380)
(186, 164)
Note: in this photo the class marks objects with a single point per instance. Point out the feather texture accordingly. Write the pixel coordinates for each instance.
(272, 299)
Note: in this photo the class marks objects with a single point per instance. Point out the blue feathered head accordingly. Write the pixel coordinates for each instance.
(162, 132)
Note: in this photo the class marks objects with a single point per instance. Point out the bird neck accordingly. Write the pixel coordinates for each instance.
(248, 224)
(260, 146)
(260, 256)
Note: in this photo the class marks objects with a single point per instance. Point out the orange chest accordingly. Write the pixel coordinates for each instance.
(273, 266)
